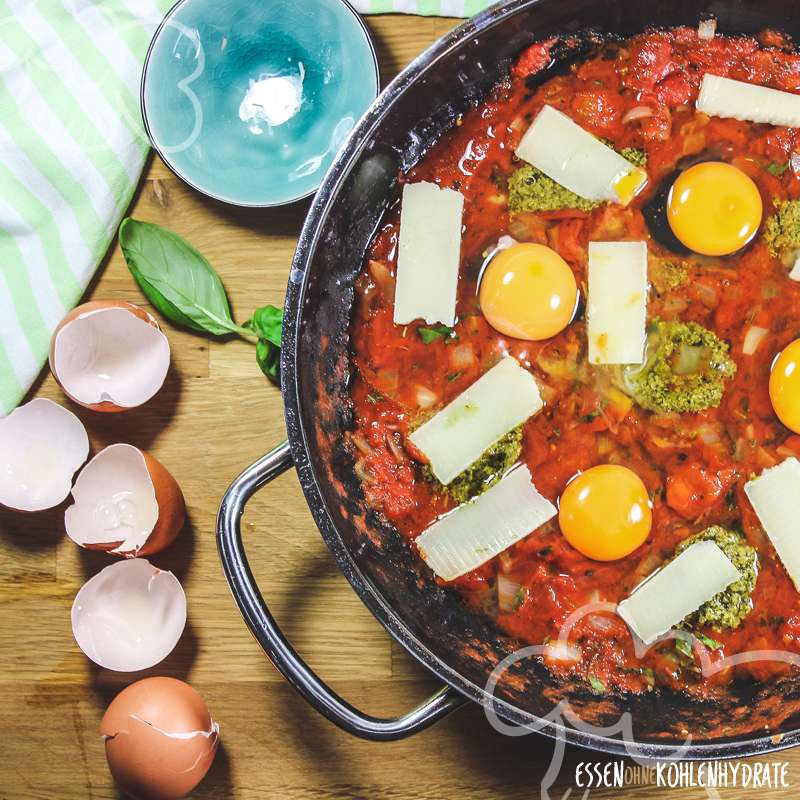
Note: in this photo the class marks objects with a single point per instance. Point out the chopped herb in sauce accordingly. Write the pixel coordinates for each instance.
(429, 335)
(598, 687)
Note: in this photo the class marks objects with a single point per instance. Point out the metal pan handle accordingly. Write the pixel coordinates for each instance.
(269, 635)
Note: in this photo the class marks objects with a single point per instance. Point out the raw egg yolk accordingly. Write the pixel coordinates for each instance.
(529, 292)
(784, 386)
(714, 208)
(605, 513)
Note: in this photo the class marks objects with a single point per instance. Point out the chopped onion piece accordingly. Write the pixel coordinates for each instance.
(752, 339)
(676, 590)
(462, 356)
(561, 651)
(425, 397)
(707, 29)
(479, 530)
(637, 112)
(507, 593)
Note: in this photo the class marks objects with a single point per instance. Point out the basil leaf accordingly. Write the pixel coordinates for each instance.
(429, 335)
(777, 169)
(684, 647)
(711, 644)
(268, 357)
(598, 687)
(267, 322)
(176, 278)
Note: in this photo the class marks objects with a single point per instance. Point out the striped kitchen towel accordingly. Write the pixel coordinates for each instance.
(71, 153)
(425, 8)
(72, 150)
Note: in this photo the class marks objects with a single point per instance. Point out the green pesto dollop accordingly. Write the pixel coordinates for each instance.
(782, 229)
(667, 275)
(685, 369)
(529, 189)
(729, 607)
(637, 157)
(486, 471)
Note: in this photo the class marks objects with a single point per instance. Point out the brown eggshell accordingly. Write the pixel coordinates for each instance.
(171, 507)
(86, 308)
(160, 739)
(169, 499)
(42, 445)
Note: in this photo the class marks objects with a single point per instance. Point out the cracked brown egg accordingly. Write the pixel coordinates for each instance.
(160, 739)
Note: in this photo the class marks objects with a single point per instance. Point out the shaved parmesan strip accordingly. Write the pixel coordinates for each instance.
(429, 254)
(724, 97)
(775, 497)
(617, 302)
(795, 273)
(577, 160)
(678, 589)
(461, 432)
(479, 530)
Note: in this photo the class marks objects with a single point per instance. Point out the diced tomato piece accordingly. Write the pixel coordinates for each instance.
(692, 489)
(650, 62)
(599, 111)
(534, 59)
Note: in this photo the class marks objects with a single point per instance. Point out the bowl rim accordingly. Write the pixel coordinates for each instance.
(183, 176)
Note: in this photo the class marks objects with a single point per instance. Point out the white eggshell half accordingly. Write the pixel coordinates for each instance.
(110, 355)
(42, 444)
(129, 616)
(115, 501)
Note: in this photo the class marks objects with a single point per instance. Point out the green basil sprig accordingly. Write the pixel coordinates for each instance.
(178, 280)
(266, 323)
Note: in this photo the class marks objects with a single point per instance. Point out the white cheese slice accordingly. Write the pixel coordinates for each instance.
(479, 530)
(462, 431)
(775, 497)
(795, 271)
(724, 97)
(579, 161)
(429, 254)
(616, 307)
(676, 590)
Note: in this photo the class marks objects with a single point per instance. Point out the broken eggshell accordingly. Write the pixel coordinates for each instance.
(129, 616)
(126, 503)
(42, 444)
(109, 355)
(160, 738)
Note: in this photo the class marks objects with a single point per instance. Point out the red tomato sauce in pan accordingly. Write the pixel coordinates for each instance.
(694, 465)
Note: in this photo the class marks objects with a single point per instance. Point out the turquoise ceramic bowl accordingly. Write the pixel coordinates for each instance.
(248, 101)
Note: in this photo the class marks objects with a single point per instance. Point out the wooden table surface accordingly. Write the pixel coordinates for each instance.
(215, 415)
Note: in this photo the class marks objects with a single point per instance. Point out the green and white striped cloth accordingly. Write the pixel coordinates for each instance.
(71, 153)
(72, 149)
(425, 8)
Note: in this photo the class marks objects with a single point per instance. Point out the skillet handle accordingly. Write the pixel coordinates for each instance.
(266, 631)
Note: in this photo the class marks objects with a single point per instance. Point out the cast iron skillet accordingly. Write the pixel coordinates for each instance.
(412, 113)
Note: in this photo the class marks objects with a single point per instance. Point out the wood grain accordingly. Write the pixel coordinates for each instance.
(215, 415)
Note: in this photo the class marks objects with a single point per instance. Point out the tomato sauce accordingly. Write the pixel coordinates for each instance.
(639, 93)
